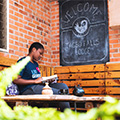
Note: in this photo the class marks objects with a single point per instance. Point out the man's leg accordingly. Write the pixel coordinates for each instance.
(37, 89)
(56, 87)
(59, 86)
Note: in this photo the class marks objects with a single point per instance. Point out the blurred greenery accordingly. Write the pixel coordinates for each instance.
(107, 111)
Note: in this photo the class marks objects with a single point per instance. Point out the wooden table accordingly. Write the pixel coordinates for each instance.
(52, 98)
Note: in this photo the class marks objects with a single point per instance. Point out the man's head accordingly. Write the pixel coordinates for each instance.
(36, 45)
(36, 51)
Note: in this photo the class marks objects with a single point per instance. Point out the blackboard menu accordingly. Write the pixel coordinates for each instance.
(83, 32)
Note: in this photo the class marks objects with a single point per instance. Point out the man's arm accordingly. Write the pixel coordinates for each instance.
(20, 81)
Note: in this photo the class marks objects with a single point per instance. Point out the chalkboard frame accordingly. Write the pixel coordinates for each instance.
(105, 51)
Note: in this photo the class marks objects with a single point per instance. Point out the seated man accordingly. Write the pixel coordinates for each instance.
(29, 80)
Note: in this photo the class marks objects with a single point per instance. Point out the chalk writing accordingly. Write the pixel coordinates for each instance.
(80, 8)
(81, 47)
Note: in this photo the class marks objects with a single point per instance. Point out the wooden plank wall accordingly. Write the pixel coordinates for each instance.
(90, 77)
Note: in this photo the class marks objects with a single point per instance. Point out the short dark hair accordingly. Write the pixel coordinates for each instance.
(36, 45)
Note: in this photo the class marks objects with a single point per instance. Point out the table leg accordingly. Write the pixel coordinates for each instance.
(75, 106)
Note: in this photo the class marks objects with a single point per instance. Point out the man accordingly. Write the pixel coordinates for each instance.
(29, 80)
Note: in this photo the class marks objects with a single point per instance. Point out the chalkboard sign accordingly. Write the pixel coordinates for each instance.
(83, 32)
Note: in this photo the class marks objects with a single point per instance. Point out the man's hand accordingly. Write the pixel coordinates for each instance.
(51, 80)
(38, 80)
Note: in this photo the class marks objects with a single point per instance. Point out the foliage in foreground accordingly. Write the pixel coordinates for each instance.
(106, 111)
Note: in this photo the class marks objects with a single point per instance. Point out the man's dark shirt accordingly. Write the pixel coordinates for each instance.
(30, 72)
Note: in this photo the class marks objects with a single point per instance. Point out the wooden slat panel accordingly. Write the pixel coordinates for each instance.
(81, 76)
(84, 83)
(113, 79)
(99, 90)
(41, 70)
(112, 66)
(112, 82)
(112, 90)
(7, 61)
(113, 74)
(70, 83)
(91, 91)
(93, 83)
(44, 69)
(52, 71)
(71, 90)
(48, 71)
(81, 68)
(94, 95)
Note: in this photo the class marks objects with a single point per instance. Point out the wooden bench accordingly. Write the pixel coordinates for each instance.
(97, 80)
